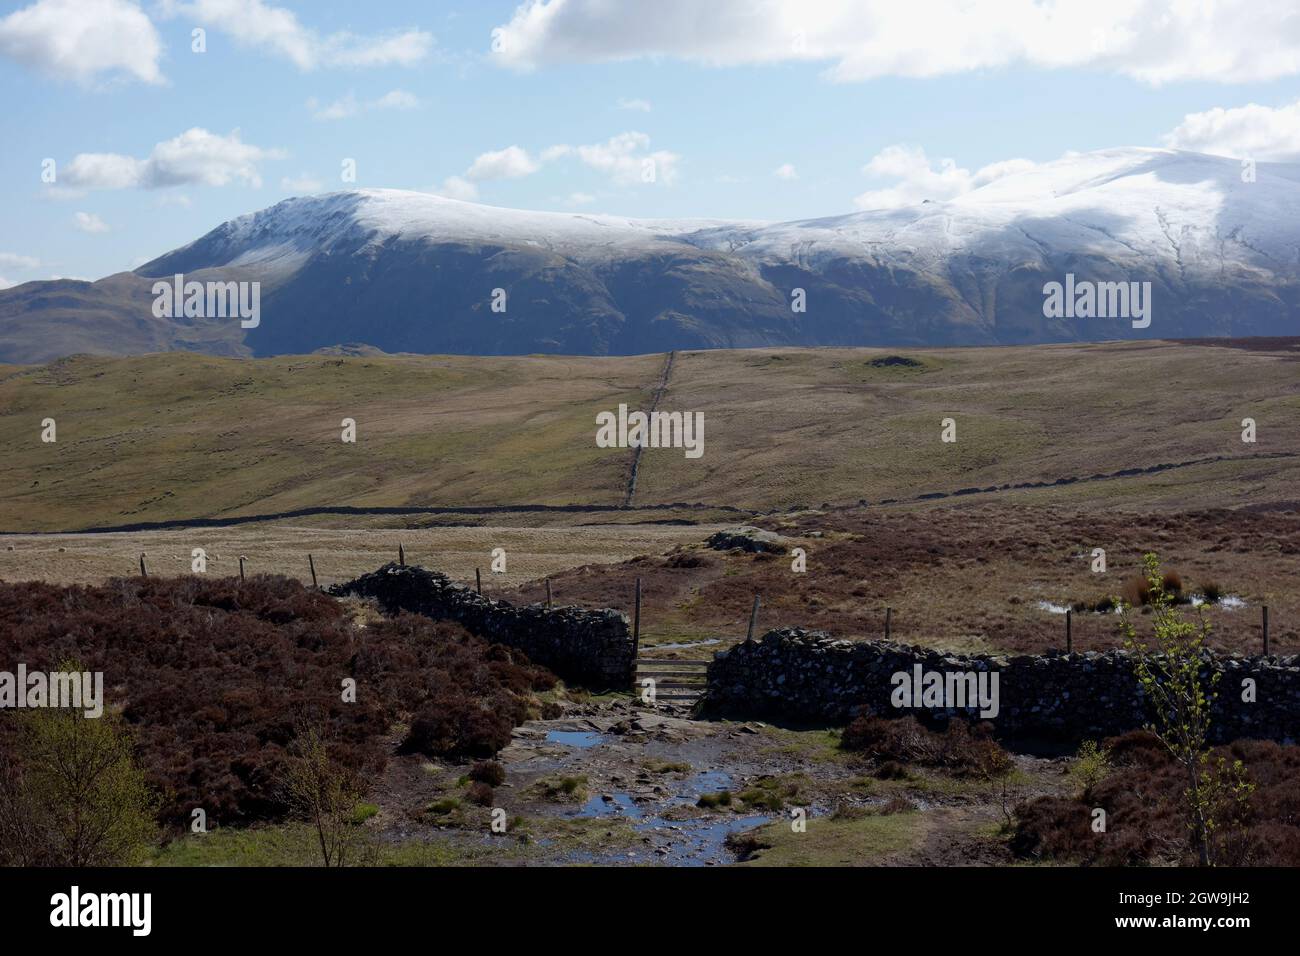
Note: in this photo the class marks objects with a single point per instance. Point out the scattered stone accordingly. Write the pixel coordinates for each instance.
(746, 538)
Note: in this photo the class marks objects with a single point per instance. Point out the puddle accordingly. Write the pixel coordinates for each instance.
(706, 781)
(1229, 603)
(697, 841)
(678, 647)
(575, 738)
(1053, 608)
(611, 805)
(694, 842)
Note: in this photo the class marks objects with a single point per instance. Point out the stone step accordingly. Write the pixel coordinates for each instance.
(700, 675)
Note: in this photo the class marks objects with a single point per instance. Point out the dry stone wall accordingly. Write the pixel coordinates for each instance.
(808, 676)
(589, 647)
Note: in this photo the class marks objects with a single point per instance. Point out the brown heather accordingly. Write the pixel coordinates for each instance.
(213, 674)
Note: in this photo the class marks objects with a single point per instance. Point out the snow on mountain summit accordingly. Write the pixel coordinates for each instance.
(1216, 244)
(1139, 207)
(286, 233)
(1188, 211)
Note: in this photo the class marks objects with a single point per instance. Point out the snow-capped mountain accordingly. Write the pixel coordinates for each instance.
(404, 271)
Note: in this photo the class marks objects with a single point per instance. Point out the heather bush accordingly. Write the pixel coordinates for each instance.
(1146, 820)
(896, 742)
(489, 772)
(215, 675)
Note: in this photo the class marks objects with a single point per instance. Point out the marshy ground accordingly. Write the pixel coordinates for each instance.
(615, 782)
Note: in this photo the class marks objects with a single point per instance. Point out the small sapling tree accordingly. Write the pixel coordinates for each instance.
(1179, 680)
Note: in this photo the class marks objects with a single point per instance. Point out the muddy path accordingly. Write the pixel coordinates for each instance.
(616, 782)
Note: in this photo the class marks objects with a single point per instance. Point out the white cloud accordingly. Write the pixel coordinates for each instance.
(82, 39)
(89, 222)
(509, 163)
(195, 157)
(104, 171)
(301, 184)
(457, 187)
(348, 106)
(175, 199)
(1251, 131)
(785, 171)
(637, 106)
(6, 283)
(12, 260)
(339, 109)
(255, 23)
(626, 159)
(1225, 41)
(917, 179)
(396, 100)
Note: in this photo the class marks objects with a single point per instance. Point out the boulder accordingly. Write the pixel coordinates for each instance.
(747, 538)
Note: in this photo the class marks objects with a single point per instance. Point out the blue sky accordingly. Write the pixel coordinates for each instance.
(576, 95)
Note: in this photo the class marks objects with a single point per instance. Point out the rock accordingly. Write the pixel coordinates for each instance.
(746, 538)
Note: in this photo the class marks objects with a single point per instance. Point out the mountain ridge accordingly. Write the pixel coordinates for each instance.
(413, 272)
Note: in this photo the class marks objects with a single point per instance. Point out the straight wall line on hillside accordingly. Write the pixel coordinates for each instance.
(654, 405)
(1123, 473)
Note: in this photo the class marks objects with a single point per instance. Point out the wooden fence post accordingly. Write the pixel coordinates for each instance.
(401, 554)
(636, 624)
(1069, 639)
(145, 574)
(889, 614)
(753, 617)
(241, 567)
(478, 581)
(548, 594)
(1266, 630)
(312, 565)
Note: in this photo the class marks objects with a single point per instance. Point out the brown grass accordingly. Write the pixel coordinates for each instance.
(1145, 822)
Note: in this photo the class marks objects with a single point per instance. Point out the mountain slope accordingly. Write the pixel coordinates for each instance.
(173, 437)
(411, 272)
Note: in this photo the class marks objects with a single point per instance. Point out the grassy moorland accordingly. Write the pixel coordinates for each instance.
(980, 577)
(179, 436)
(339, 553)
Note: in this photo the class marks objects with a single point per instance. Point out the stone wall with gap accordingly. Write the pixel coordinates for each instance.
(807, 676)
(592, 648)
